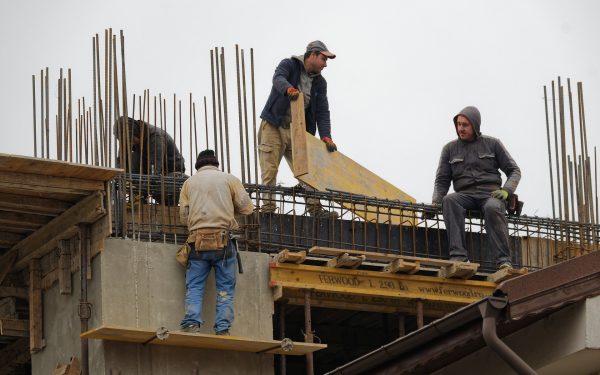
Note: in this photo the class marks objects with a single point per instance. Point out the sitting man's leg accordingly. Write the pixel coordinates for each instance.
(496, 226)
(454, 207)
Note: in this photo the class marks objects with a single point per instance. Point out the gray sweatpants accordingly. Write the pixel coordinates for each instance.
(454, 207)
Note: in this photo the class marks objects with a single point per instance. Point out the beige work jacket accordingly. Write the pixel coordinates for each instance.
(211, 198)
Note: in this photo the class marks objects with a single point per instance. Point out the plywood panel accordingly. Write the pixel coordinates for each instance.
(199, 340)
(323, 170)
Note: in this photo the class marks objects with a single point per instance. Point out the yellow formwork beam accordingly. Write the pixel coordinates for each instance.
(374, 284)
(323, 170)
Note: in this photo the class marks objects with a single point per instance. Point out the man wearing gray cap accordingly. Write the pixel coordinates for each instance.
(294, 76)
(472, 162)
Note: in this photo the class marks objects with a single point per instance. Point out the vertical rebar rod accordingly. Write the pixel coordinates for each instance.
(549, 154)
(191, 160)
(596, 183)
(65, 126)
(558, 184)
(217, 68)
(585, 152)
(181, 167)
(195, 137)
(70, 116)
(246, 116)
(110, 101)
(34, 119)
(563, 148)
(225, 112)
(42, 112)
(214, 103)
(99, 150)
(570, 164)
(578, 193)
(107, 132)
(47, 120)
(95, 99)
(254, 122)
(59, 115)
(239, 97)
(206, 123)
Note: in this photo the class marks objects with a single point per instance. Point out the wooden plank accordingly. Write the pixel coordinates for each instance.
(378, 284)
(12, 291)
(458, 270)
(506, 273)
(286, 256)
(45, 239)
(64, 267)
(26, 204)
(346, 261)
(6, 264)
(300, 155)
(335, 171)
(380, 257)
(36, 182)
(36, 341)
(199, 340)
(403, 266)
(17, 163)
(14, 327)
(61, 196)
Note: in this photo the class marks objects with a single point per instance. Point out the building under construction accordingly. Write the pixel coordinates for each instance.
(89, 282)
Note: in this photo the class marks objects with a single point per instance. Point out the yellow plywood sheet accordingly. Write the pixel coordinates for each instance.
(57, 168)
(322, 170)
(199, 340)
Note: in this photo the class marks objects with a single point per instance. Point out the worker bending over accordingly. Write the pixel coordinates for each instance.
(471, 163)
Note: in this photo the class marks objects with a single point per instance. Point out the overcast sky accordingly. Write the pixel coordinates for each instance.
(404, 69)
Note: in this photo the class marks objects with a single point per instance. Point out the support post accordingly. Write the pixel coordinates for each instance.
(419, 314)
(64, 265)
(308, 332)
(36, 341)
(84, 306)
(282, 358)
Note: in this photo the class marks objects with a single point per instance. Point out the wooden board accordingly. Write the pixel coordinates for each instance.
(322, 170)
(199, 340)
(47, 167)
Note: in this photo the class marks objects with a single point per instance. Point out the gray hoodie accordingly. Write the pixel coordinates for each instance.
(474, 165)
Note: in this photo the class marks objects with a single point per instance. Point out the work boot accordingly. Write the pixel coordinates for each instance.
(192, 328)
(459, 258)
(224, 332)
(504, 265)
(317, 211)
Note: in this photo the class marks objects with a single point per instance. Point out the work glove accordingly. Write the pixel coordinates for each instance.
(429, 213)
(331, 147)
(292, 93)
(500, 194)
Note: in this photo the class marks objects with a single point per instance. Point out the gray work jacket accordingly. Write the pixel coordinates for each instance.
(473, 166)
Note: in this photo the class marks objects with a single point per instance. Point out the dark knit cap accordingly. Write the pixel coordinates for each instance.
(206, 157)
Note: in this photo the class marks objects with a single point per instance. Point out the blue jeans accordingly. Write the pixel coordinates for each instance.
(199, 266)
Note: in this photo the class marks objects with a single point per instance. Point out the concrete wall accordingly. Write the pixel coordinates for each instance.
(565, 342)
(139, 284)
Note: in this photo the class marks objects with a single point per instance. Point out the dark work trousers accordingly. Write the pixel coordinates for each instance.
(454, 207)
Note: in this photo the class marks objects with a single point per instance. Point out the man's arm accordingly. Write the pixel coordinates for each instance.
(509, 167)
(184, 205)
(323, 115)
(241, 200)
(282, 76)
(443, 177)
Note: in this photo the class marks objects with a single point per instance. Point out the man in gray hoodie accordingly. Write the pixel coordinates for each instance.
(472, 164)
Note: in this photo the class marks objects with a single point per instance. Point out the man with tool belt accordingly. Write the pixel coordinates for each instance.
(151, 151)
(294, 76)
(471, 163)
(208, 202)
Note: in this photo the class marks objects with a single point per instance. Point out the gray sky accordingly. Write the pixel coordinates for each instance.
(404, 68)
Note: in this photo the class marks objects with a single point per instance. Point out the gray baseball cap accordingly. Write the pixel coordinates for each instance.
(318, 46)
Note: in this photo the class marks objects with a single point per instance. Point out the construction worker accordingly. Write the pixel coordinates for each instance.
(471, 163)
(208, 202)
(152, 151)
(294, 76)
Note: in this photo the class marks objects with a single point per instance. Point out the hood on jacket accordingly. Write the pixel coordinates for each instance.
(472, 113)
